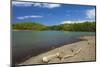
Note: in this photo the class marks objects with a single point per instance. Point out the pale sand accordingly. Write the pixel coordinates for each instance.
(87, 52)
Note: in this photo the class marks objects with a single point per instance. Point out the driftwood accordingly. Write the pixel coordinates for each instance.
(71, 55)
(59, 55)
(46, 59)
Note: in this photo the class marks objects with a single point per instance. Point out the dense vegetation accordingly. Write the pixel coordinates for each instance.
(85, 26)
(28, 26)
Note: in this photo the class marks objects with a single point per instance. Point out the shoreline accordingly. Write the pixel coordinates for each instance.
(47, 49)
(87, 53)
(50, 30)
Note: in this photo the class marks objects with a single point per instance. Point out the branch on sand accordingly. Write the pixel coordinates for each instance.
(59, 55)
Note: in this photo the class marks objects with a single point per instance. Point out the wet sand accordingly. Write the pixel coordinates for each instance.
(87, 52)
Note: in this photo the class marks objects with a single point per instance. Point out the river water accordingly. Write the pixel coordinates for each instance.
(31, 43)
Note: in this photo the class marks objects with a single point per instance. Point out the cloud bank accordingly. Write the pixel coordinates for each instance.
(41, 5)
(90, 14)
(64, 22)
(28, 17)
(25, 4)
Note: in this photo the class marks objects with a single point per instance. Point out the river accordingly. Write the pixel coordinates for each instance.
(31, 43)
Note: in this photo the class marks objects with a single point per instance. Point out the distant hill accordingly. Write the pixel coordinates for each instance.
(28, 26)
(85, 26)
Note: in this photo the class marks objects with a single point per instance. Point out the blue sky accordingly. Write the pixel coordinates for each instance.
(50, 13)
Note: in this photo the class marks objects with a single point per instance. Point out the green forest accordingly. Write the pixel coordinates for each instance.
(85, 26)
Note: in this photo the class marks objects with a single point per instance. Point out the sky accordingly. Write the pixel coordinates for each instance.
(51, 13)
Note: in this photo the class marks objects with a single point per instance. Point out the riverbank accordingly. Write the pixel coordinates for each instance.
(21, 30)
(87, 52)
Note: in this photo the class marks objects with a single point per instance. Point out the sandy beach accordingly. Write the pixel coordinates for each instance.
(87, 52)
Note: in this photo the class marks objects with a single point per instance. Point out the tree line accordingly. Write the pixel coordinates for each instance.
(85, 26)
(28, 26)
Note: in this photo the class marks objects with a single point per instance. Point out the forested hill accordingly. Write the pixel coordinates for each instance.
(85, 26)
(28, 26)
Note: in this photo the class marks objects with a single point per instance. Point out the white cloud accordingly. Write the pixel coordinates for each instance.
(46, 5)
(37, 4)
(64, 22)
(42, 5)
(90, 14)
(26, 4)
(27, 17)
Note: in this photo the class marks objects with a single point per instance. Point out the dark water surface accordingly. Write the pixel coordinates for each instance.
(31, 43)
